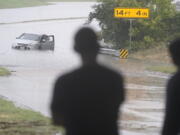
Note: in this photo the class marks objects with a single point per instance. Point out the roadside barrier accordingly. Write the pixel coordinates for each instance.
(123, 53)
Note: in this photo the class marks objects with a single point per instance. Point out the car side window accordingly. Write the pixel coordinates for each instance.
(44, 38)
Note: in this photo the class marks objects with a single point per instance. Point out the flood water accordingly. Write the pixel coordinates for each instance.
(58, 10)
(34, 72)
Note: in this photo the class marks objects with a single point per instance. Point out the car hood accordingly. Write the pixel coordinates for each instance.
(21, 41)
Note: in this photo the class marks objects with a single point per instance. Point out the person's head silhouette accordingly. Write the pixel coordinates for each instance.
(86, 44)
(174, 50)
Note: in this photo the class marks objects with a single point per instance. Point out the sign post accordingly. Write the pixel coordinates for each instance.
(131, 13)
(130, 32)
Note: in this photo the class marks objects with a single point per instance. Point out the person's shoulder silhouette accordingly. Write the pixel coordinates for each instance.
(171, 124)
(86, 101)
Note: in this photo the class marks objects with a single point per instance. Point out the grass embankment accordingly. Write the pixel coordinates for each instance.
(17, 121)
(156, 59)
(31, 3)
(4, 72)
(163, 69)
(71, 0)
(20, 3)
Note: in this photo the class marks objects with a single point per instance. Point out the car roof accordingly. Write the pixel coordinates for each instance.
(34, 34)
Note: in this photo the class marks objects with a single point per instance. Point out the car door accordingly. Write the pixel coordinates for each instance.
(47, 42)
(51, 42)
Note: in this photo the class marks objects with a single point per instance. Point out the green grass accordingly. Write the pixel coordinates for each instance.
(71, 0)
(155, 59)
(162, 68)
(20, 3)
(4, 72)
(18, 121)
(30, 3)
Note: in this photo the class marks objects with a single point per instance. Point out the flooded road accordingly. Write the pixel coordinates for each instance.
(59, 10)
(34, 72)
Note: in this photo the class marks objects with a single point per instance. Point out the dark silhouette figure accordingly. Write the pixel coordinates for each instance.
(172, 112)
(87, 100)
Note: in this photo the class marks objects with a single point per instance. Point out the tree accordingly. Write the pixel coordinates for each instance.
(145, 32)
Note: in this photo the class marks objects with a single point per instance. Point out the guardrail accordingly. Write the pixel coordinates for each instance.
(122, 53)
(107, 51)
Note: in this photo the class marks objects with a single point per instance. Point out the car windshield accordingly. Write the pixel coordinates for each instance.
(30, 37)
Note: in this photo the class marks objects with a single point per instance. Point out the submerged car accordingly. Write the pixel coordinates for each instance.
(30, 41)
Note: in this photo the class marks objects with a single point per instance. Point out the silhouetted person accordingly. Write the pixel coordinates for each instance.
(172, 112)
(87, 100)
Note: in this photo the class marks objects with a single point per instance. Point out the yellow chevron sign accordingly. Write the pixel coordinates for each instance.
(131, 12)
(123, 53)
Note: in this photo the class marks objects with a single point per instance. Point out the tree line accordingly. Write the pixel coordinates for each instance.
(160, 28)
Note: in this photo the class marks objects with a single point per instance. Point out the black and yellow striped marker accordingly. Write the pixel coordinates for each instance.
(123, 53)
